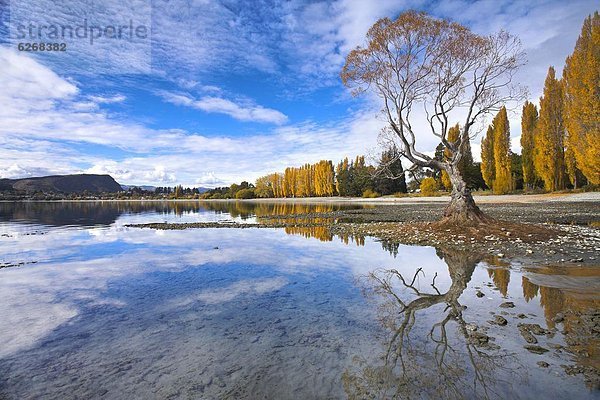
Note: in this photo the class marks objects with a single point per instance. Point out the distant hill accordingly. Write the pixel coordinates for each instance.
(63, 184)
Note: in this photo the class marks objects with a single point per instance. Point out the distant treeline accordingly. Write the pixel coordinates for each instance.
(348, 178)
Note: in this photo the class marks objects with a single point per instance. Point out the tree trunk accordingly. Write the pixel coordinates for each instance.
(462, 207)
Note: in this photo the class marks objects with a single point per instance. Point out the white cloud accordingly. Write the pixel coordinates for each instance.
(229, 293)
(44, 117)
(25, 80)
(41, 131)
(87, 52)
(118, 98)
(123, 173)
(209, 179)
(38, 299)
(241, 112)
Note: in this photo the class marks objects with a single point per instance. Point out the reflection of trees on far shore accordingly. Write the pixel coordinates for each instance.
(323, 233)
(449, 358)
(87, 213)
(578, 313)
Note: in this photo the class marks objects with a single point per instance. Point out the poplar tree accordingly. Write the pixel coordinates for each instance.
(549, 146)
(466, 165)
(529, 120)
(502, 183)
(571, 165)
(488, 166)
(343, 177)
(453, 136)
(581, 78)
(288, 190)
(466, 161)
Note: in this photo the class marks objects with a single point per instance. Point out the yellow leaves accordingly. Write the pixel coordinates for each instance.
(446, 182)
(503, 180)
(529, 121)
(495, 155)
(582, 100)
(429, 186)
(306, 181)
(566, 137)
(452, 137)
(549, 136)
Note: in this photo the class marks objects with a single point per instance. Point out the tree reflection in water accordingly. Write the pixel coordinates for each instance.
(425, 359)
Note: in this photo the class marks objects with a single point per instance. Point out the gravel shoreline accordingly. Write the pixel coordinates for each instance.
(542, 233)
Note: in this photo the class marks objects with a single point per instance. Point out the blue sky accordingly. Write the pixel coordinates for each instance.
(220, 91)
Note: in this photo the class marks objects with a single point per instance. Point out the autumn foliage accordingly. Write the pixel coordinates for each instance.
(560, 141)
(549, 158)
(496, 155)
(529, 121)
(581, 78)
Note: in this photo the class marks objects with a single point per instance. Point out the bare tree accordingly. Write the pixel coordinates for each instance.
(454, 74)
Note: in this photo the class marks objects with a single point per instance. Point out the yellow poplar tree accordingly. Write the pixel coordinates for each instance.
(277, 184)
(582, 101)
(288, 190)
(549, 147)
(529, 120)
(503, 180)
(571, 164)
(301, 181)
(330, 180)
(452, 136)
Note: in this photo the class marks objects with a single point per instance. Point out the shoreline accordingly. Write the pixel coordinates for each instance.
(479, 199)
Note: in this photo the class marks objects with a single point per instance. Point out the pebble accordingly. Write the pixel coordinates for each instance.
(543, 364)
(535, 349)
(507, 304)
(558, 318)
(478, 338)
(535, 329)
(529, 338)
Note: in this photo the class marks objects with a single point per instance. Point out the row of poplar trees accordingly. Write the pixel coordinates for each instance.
(496, 155)
(561, 140)
(347, 178)
(320, 179)
(306, 181)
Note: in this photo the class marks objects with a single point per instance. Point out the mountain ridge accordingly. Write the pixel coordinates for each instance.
(73, 183)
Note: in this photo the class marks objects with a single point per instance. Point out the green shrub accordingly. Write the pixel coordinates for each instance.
(245, 194)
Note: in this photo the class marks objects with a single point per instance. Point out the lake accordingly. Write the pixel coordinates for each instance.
(91, 308)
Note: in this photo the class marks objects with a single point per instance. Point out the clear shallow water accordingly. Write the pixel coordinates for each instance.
(98, 310)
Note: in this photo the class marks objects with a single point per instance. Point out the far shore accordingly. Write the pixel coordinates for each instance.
(414, 199)
(482, 199)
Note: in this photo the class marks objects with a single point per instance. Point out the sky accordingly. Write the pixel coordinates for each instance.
(208, 93)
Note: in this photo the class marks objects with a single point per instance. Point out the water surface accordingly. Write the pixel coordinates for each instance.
(93, 309)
